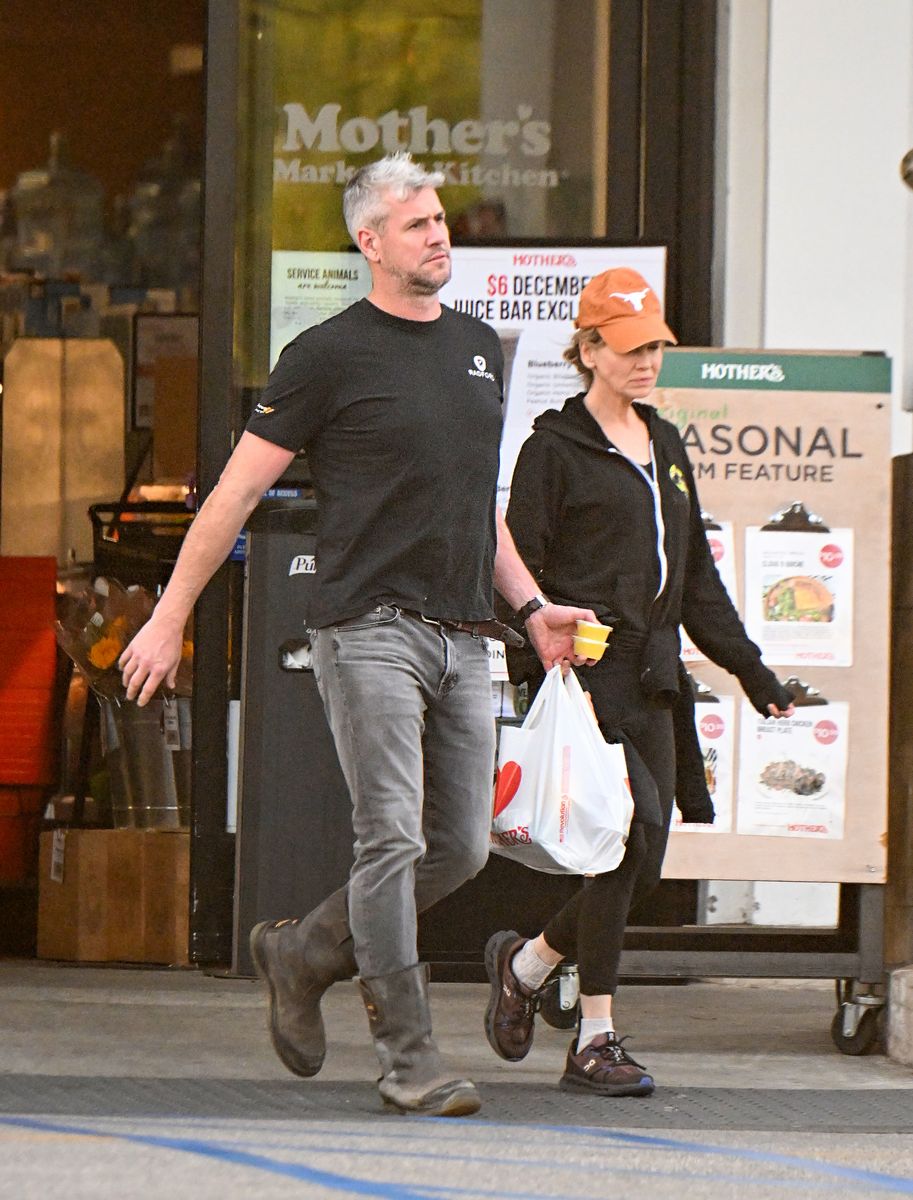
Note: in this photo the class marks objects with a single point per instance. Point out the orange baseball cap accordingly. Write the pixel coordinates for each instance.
(625, 309)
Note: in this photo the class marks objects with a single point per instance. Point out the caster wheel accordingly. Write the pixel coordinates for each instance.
(552, 1012)
(864, 1040)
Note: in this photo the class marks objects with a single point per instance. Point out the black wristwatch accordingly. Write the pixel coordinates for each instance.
(538, 601)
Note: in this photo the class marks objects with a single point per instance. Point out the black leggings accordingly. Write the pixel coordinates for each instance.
(589, 930)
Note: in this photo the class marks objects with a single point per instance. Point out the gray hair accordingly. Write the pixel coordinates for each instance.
(363, 201)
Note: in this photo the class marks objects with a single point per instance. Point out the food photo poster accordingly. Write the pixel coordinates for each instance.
(799, 596)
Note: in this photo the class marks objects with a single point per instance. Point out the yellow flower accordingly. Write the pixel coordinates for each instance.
(104, 652)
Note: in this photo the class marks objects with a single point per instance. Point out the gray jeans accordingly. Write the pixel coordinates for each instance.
(409, 704)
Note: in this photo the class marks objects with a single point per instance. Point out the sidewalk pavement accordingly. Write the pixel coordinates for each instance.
(148, 1083)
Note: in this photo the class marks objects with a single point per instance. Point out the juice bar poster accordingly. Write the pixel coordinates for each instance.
(528, 295)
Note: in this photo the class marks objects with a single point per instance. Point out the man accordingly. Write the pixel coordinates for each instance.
(398, 403)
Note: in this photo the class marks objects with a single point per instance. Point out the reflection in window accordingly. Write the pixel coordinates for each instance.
(506, 97)
(503, 96)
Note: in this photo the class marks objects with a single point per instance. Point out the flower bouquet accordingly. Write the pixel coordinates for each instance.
(96, 625)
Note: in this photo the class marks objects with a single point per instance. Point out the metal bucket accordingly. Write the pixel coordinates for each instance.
(147, 752)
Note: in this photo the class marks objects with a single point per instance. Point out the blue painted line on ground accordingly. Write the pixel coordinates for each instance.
(896, 1183)
(879, 1179)
(548, 1164)
(395, 1191)
(363, 1187)
(646, 1175)
(304, 1174)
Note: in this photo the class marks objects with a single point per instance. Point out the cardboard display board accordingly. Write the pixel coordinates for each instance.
(165, 390)
(62, 440)
(797, 435)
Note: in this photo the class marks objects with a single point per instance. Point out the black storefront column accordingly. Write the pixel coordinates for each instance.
(294, 837)
(215, 615)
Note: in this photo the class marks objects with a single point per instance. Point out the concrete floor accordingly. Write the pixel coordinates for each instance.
(150, 1083)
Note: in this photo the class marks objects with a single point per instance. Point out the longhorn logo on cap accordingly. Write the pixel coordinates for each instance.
(635, 299)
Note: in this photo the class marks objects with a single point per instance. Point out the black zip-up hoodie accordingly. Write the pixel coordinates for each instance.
(585, 521)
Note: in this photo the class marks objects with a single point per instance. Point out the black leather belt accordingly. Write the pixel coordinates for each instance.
(488, 629)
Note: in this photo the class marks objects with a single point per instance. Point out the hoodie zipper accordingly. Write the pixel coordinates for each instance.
(652, 481)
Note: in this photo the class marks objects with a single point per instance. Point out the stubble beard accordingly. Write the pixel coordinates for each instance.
(426, 282)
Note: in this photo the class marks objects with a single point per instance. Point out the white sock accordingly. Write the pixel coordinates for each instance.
(529, 967)
(592, 1027)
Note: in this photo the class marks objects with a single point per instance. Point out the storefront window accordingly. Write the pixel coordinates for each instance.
(506, 97)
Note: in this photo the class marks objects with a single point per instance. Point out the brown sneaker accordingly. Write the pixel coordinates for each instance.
(604, 1068)
(511, 1008)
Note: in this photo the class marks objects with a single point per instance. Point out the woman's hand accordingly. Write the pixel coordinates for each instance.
(781, 712)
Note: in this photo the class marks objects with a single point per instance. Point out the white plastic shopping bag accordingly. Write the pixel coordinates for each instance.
(562, 798)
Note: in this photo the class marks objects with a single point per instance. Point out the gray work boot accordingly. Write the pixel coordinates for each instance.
(414, 1079)
(299, 959)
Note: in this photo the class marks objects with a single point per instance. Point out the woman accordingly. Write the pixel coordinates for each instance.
(604, 511)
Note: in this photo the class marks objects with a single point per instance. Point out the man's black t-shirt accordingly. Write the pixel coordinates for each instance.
(401, 421)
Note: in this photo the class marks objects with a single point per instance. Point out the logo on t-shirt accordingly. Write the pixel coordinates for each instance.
(263, 409)
(481, 371)
(303, 564)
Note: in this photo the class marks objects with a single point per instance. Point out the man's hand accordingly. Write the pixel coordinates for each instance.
(551, 630)
(152, 656)
(155, 652)
(781, 712)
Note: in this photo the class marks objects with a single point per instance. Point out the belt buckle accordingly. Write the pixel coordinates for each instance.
(430, 620)
(442, 624)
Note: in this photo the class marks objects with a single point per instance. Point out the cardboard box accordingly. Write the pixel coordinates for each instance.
(174, 425)
(114, 895)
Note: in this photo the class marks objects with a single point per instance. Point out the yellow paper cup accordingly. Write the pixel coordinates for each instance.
(593, 631)
(587, 648)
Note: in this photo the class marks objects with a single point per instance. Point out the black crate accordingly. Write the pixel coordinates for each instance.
(138, 541)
